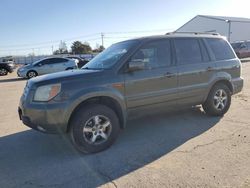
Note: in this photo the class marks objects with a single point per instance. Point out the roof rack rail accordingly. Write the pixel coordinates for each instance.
(194, 33)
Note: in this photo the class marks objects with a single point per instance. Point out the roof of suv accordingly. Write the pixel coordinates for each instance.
(180, 35)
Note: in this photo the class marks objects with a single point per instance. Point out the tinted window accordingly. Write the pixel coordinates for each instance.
(57, 60)
(236, 45)
(248, 45)
(155, 54)
(43, 62)
(221, 49)
(188, 51)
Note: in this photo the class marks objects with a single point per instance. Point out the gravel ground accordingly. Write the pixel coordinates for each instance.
(187, 149)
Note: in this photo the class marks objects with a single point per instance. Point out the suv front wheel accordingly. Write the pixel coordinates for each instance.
(94, 128)
(218, 100)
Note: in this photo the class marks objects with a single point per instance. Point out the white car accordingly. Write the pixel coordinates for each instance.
(46, 66)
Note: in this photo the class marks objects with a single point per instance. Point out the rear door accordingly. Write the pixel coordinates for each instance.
(60, 64)
(195, 69)
(157, 82)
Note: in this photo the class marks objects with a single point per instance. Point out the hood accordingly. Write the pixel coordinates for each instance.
(26, 66)
(62, 76)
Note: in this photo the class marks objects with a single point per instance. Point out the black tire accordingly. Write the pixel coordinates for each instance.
(3, 72)
(214, 98)
(31, 74)
(83, 119)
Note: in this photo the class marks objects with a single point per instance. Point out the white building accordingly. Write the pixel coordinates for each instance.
(235, 29)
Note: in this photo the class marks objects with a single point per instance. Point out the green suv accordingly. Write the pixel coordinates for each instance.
(173, 70)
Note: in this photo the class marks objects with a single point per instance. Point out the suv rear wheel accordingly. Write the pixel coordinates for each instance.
(3, 71)
(218, 101)
(94, 128)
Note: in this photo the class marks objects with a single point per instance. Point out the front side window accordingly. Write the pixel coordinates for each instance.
(41, 62)
(188, 51)
(220, 49)
(154, 54)
(110, 56)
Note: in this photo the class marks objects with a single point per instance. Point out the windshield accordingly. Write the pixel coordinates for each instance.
(110, 56)
(36, 62)
(236, 45)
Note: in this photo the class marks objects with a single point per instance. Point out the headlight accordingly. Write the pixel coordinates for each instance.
(47, 92)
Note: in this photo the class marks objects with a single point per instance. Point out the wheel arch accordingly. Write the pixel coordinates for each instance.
(108, 101)
(224, 81)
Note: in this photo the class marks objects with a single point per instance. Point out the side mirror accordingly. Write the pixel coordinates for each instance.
(136, 64)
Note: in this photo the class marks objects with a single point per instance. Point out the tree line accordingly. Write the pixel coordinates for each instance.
(78, 47)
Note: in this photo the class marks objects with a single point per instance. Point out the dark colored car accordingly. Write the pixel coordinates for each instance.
(81, 61)
(6, 67)
(150, 73)
(242, 49)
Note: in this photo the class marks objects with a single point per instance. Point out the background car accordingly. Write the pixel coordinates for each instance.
(81, 61)
(46, 66)
(6, 67)
(242, 49)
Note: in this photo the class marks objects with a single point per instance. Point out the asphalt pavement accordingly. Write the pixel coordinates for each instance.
(185, 148)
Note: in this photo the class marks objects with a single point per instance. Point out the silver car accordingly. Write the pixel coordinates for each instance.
(46, 66)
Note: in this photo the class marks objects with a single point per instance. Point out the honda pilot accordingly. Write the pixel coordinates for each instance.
(93, 104)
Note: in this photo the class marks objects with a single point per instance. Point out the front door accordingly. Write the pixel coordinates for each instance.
(157, 82)
(44, 67)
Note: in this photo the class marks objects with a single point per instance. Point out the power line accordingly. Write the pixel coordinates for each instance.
(101, 36)
(85, 36)
(141, 31)
(41, 47)
(50, 42)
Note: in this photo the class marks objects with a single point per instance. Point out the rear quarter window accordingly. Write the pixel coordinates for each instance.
(220, 49)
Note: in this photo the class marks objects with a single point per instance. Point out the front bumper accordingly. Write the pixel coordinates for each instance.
(237, 85)
(47, 118)
(21, 74)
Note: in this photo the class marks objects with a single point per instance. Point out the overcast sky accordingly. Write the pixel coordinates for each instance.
(37, 25)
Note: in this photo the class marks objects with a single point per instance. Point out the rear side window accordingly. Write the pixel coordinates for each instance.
(188, 51)
(59, 60)
(220, 49)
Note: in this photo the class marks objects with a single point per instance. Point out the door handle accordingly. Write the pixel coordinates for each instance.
(169, 75)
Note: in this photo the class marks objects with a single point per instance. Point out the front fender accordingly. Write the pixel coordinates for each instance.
(93, 92)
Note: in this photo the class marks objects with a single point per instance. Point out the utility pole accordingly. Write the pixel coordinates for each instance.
(102, 36)
(229, 31)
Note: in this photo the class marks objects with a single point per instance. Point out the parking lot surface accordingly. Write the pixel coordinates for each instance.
(172, 149)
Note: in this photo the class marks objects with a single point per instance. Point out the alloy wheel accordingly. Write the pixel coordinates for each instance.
(97, 130)
(220, 99)
(3, 71)
(31, 74)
